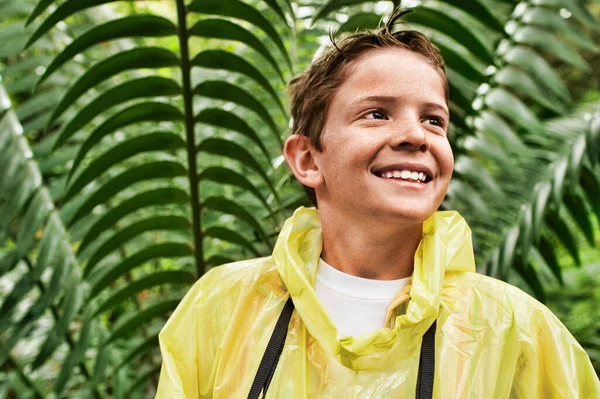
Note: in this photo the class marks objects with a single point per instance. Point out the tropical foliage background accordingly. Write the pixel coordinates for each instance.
(140, 146)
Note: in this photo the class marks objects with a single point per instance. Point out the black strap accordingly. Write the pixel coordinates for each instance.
(426, 365)
(268, 364)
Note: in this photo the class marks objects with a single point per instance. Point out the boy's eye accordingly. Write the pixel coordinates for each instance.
(375, 115)
(435, 120)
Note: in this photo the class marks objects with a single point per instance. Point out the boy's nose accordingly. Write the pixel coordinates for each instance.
(410, 135)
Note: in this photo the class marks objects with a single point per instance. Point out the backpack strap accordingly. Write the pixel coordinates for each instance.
(427, 364)
(268, 364)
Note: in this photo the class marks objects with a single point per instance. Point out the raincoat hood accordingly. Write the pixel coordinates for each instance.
(445, 247)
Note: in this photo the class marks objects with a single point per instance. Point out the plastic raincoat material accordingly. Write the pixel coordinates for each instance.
(492, 341)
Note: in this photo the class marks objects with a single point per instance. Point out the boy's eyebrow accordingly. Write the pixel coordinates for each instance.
(392, 100)
(381, 99)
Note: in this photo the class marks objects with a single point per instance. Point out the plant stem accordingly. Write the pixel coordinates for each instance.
(189, 131)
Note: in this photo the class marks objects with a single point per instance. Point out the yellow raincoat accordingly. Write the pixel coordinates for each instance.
(492, 341)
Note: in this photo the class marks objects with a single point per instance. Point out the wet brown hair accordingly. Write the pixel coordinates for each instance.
(311, 91)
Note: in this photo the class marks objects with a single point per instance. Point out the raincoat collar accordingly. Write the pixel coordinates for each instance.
(445, 247)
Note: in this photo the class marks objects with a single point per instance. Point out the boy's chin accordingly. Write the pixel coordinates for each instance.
(404, 213)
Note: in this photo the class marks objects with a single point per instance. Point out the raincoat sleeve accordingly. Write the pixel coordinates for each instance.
(188, 343)
(179, 341)
(551, 363)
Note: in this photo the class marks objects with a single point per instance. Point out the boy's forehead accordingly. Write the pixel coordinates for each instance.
(378, 74)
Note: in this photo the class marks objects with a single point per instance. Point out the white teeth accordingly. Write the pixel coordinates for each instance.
(405, 175)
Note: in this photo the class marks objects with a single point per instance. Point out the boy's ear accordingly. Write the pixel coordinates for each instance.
(300, 156)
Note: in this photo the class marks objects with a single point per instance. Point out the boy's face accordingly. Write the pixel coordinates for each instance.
(385, 146)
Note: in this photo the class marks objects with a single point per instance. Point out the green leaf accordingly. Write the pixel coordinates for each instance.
(18, 292)
(460, 64)
(141, 25)
(124, 234)
(143, 57)
(37, 212)
(8, 261)
(17, 10)
(136, 88)
(36, 105)
(148, 344)
(231, 236)
(576, 7)
(65, 10)
(529, 60)
(548, 256)
(42, 303)
(25, 65)
(511, 107)
(142, 112)
(224, 205)
(459, 100)
(141, 381)
(446, 24)
(358, 22)
(576, 158)
(564, 234)
(525, 227)
(40, 7)
(222, 29)
(74, 357)
(102, 279)
(227, 176)
(335, 5)
(71, 304)
(217, 260)
(23, 188)
(507, 252)
(591, 187)
(578, 210)
(133, 321)
(480, 12)
(278, 10)
(490, 123)
(219, 59)
(552, 20)
(12, 39)
(228, 92)
(54, 256)
(160, 196)
(592, 137)
(529, 275)
(237, 9)
(156, 141)
(228, 120)
(232, 150)
(132, 288)
(148, 171)
(522, 83)
(24, 85)
(558, 181)
(541, 193)
(545, 41)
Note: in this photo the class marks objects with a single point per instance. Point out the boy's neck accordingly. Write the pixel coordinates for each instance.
(369, 248)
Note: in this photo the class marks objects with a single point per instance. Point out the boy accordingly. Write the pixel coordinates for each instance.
(377, 277)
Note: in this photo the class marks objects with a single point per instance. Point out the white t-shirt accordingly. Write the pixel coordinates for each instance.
(356, 305)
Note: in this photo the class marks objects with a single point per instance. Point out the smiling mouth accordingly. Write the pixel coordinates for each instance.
(405, 175)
